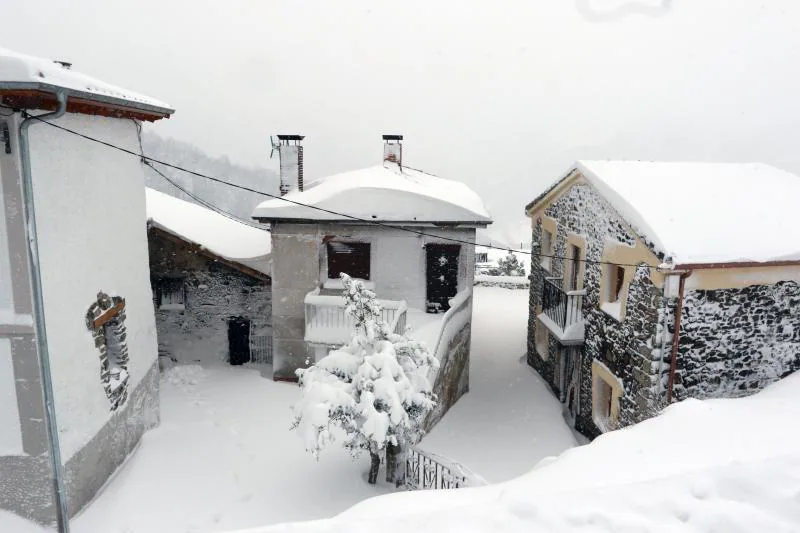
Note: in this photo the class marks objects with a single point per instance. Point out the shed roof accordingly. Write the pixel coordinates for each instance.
(220, 235)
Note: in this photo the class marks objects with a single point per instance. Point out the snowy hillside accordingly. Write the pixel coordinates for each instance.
(235, 201)
(702, 466)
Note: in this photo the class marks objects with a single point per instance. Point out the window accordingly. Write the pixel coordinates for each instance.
(482, 257)
(171, 294)
(616, 278)
(546, 249)
(573, 267)
(351, 258)
(542, 341)
(606, 390)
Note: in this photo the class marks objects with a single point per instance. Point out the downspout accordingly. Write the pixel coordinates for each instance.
(673, 363)
(59, 491)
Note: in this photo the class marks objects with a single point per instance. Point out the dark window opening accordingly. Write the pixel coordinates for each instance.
(351, 258)
(171, 294)
(616, 278)
(574, 267)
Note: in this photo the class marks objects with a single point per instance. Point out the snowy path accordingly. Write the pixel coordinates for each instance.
(510, 419)
(224, 458)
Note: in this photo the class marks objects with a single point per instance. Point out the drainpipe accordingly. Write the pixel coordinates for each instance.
(676, 335)
(59, 491)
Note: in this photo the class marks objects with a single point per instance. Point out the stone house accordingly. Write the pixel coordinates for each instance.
(76, 314)
(211, 284)
(654, 282)
(407, 234)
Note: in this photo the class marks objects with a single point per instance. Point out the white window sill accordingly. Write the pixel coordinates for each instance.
(604, 424)
(337, 284)
(612, 309)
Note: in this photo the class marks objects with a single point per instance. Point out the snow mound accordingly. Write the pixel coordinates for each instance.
(381, 193)
(216, 233)
(25, 69)
(701, 466)
(184, 376)
(705, 212)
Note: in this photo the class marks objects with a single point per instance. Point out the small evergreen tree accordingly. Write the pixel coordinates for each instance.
(375, 388)
(510, 266)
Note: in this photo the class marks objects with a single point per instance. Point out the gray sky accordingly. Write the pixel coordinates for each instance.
(501, 95)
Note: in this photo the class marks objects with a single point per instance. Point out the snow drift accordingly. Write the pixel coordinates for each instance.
(715, 465)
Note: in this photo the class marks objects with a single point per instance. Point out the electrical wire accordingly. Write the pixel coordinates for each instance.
(317, 208)
(199, 200)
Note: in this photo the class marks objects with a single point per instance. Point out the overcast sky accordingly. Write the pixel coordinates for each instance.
(501, 95)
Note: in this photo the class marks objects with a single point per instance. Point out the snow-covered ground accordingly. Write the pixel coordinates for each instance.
(224, 458)
(510, 419)
(728, 466)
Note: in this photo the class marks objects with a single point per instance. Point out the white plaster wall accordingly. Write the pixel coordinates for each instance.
(10, 429)
(398, 258)
(6, 302)
(90, 207)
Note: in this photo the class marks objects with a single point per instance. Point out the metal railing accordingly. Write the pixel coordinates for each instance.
(327, 322)
(565, 308)
(260, 348)
(426, 471)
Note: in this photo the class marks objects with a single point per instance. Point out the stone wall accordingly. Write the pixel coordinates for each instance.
(214, 292)
(452, 380)
(628, 348)
(736, 341)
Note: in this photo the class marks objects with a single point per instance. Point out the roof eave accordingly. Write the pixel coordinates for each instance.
(376, 222)
(737, 264)
(48, 88)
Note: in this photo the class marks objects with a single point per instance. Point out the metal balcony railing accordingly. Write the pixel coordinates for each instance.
(564, 308)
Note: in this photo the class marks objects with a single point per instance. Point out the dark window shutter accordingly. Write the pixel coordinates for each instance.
(351, 258)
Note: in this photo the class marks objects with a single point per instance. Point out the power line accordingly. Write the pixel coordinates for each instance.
(199, 200)
(317, 208)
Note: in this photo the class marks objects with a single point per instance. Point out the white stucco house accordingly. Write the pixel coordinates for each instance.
(88, 282)
(407, 234)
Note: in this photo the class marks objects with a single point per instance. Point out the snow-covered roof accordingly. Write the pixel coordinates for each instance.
(20, 71)
(220, 235)
(704, 212)
(380, 193)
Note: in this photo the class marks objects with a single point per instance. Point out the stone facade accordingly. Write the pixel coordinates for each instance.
(736, 341)
(452, 380)
(732, 341)
(625, 347)
(215, 291)
(106, 317)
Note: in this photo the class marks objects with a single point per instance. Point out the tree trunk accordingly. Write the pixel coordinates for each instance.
(374, 466)
(391, 462)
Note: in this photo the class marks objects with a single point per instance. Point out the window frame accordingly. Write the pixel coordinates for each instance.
(606, 392)
(161, 285)
(328, 257)
(546, 254)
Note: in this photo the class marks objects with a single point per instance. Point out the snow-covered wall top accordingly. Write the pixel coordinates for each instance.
(218, 234)
(380, 193)
(90, 207)
(21, 68)
(704, 212)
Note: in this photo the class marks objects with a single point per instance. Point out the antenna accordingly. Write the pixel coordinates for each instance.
(275, 145)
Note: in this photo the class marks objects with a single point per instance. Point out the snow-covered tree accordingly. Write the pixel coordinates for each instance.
(375, 388)
(510, 266)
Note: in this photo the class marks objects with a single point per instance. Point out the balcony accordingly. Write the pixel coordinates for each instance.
(328, 323)
(562, 312)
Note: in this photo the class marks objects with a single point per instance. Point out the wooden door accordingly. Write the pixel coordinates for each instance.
(441, 275)
(238, 340)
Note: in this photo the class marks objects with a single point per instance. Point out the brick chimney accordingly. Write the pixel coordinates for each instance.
(290, 152)
(393, 149)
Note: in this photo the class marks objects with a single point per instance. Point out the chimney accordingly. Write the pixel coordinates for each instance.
(393, 149)
(290, 152)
